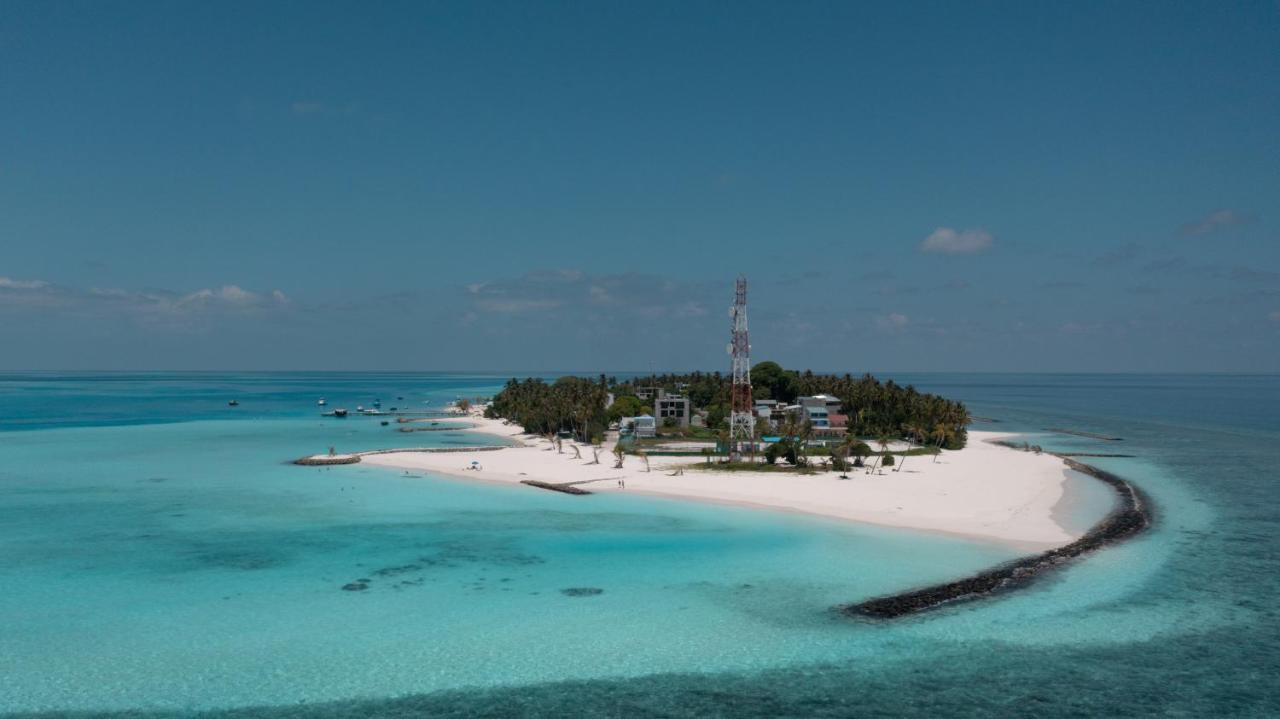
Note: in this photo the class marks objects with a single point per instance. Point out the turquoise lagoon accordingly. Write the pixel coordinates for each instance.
(159, 556)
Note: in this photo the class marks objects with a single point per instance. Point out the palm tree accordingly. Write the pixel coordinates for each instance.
(842, 451)
(620, 454)
(883, 442)
(910, 431)
(939, 436)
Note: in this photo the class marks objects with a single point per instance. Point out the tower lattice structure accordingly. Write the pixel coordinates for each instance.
(742, 421)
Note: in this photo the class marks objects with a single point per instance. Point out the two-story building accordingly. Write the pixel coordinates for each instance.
(671, 407)
(823, 411)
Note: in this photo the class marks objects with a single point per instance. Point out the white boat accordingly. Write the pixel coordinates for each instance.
(321, 402)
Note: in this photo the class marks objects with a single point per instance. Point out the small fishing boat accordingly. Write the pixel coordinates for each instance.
(335, 413)
(385, 423)
(321, 402)
(234, 403)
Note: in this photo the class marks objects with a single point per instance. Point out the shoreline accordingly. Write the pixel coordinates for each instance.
(1132, 516)
(981, 493)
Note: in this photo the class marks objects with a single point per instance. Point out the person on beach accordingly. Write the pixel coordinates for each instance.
(331, 452)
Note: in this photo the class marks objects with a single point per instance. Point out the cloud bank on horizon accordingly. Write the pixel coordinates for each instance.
(538, 189)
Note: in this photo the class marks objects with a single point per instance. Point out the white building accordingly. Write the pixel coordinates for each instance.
(671, 406)
(640, 427)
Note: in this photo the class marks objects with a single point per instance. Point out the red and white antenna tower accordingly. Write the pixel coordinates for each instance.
(742, 422)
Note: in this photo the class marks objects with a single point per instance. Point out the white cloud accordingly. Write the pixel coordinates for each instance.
(581, 295)
(9, 283)
(1215, 220)
(517, 306)
(947, 241)
(147, 303)
(227, 295)
(893, 321)
(600, 295)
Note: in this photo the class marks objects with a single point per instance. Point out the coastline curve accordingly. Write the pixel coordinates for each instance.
(1132, 516)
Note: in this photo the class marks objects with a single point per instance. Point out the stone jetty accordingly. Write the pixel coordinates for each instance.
(566, 488)
(1131, 516)
(354, 457)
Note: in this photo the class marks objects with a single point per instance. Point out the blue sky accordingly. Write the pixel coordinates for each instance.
(531, 186)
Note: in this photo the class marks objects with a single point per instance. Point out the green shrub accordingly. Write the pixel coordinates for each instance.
(771, 453)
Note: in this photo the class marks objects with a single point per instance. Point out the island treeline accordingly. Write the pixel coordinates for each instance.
(873, 408)
(573, 404)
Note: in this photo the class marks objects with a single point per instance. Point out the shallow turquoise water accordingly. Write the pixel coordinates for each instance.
(184, 566)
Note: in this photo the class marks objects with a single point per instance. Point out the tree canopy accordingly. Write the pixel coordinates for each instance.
(573, 404)
(874, 408)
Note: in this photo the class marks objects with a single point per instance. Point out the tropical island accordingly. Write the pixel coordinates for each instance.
(801, 417)
(839, 446)
(810, 452)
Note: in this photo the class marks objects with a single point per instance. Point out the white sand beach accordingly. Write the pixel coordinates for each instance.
(984, 491)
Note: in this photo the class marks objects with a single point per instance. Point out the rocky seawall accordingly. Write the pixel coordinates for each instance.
(1131, 516)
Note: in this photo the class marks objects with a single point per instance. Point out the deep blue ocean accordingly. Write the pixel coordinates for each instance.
(160, 556)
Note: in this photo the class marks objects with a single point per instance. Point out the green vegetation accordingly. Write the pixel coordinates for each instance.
(687, 433)
(751, 467)
(874, 409)
(572, 404)
(626, 406)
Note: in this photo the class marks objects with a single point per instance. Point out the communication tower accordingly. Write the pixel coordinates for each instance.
(742, 420)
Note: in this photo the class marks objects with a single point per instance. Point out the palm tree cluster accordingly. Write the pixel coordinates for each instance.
(874, 408)
(573, 404)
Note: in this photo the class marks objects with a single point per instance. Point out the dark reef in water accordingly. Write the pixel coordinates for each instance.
(1132, 516)
(1090, 435)
(581, 591)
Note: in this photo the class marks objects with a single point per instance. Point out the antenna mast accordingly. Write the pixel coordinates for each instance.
(742, 421)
